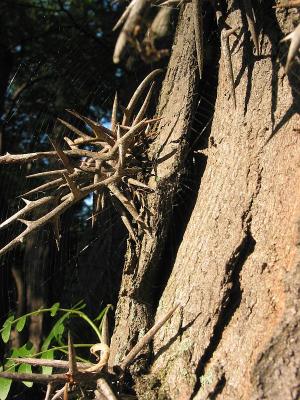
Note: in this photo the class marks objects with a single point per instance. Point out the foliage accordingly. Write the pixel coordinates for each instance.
(53, 343)
(60, 56)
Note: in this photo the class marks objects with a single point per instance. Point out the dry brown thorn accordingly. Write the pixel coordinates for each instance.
(251, 23)
(294, 37)
(82, 372)
(62, 156)
(114, 114)
(99, 130)
(146, 339)
(137, 94)
(198, 33)
(105, 166)
(120, 209)
(144, 106)
(30, 205)
(132, 19)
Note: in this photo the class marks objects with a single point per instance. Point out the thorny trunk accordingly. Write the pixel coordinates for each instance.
(233, 266)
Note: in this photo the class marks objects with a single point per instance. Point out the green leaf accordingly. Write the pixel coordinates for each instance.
(5, 331)
(101, 315)
(9, 321)
(26, 350)
(21, 323)
(54, 330)
(79, 306)
(49, 355)
(25, 369)
(5, 385)
(54, 309)
(58, 331)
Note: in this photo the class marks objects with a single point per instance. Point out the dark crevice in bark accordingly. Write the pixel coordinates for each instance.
(231, 301)
(219, 388)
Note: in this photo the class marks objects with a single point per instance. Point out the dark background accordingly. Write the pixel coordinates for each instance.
(57, 55)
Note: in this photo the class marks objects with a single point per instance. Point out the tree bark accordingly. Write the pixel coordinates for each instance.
(236, 271)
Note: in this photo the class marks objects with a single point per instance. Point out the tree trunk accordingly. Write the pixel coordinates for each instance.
(236, 335)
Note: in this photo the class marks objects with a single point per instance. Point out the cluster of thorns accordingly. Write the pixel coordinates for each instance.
(109, 381)
(102, 164)
(133, 17)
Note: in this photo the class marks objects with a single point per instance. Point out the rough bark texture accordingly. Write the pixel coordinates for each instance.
(236, 272)
(141, 267)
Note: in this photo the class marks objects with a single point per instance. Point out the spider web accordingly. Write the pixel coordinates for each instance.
(59, 275)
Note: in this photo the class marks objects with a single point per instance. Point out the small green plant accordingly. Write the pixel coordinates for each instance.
(48, 349)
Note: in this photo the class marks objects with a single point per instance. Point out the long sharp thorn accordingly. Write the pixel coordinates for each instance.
(30, 205)
(70, 142)
(63, 157)
(114, 113)
(71, 356)
(294, 37)
(45, 186)
(198, 32)
(135, 182)
(73, 129)
(25, 158)
(228, 63)
(146, 339)
(73, 187)
(99, 130)
(124, 16)
(145, 105)
(119, 207)
(104, 330)
(251, 23)
(121, 149)
(132, 21)
(38, 224)
(49, 391)
(96, 196)
(129, 207)
(137, 94)
(47, 173)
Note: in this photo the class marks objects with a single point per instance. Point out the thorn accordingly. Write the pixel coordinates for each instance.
(63, 157)
(47, 173)
(27, 202)
(135, 182)
(146, 339)
(73, 129)
(99, 130)
(137, 94)
(294, 37)
(25, 222)
(145, 105)
(228, 62)
(198, 32)
(114, 114)
(251, 23)
(70, 142)
(71, 357)
(73, 187)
